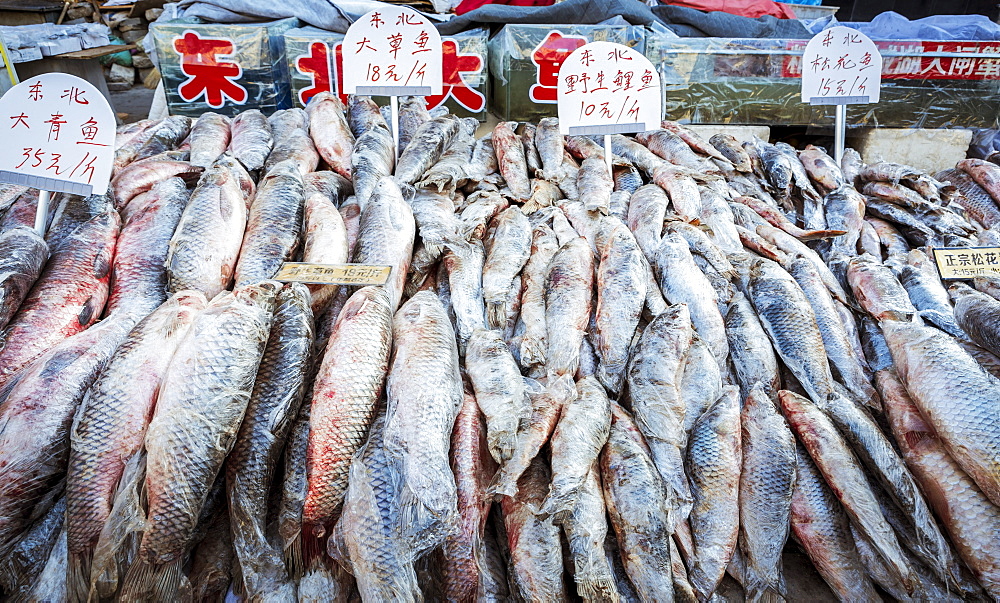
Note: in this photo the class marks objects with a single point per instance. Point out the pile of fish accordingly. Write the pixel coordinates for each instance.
(575, 385)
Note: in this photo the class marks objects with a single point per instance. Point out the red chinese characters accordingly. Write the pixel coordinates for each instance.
(548, 57)
(210, 74)
(453, 65)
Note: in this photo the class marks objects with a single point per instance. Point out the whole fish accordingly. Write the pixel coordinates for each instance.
(295, 146)
(324, 237)
(464, 264)
(23, 253)
(370, 525)
(877, 289)
(683, 282)
(207, 240)
(507, 254)
(363, 114)
(637, 507)
(450, 170)
(790, 322)
(500, 391)
(841, 469)
(424, 393)
(985, 173)
(252, 139)
(972, 197)
(464, 572)
(344, 397)
(534, 342)
(692, 138)
(965, 512)
(526, 132)
(543, 194)
(285, 122)
(976, 315)
(636, 153)
(595, 185)
(21, 571)
(483, 164)
(576, 442)
(209, 138)
(330, 132)
(372, 160)
(549, 143)
(646, 211)
(412, 115)
(386, 236)
(843, 358)
(535, 554)
(138, 274)
(671, 147)
(274, 404)
(750, 349)
(142, 176)
(845, 211)
(822, 169)
(777, 219)
(164, 136)
(272, 232)
(568, 300)
(713, 462)
(511, 160)
(201, 402)
(820, 524)
(954, 394)
(67, 297)
(37, 416)
(920, 278)
(429, 142)
(684, 195)
(767, 481)
(730, 148)
(112, 421)
(621, 294)
(586, 529)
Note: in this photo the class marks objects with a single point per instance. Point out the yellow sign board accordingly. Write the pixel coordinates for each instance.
(333, 274)
(967, 262)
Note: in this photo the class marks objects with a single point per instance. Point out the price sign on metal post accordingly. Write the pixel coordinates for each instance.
(606, 88)
(841, 66)
(60, 133)
(393, 51)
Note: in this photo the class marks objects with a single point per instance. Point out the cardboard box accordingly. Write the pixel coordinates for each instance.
(757, 81)
(315, 65)
(525, 61)
(225, 68)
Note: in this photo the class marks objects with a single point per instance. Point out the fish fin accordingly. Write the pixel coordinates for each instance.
(153, 581)
(294, 556)
(598, 589)
(496, 314)
(812, 235)
(78, 575)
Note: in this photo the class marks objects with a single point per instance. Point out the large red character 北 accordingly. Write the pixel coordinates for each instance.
(209, 74)
(548, 57)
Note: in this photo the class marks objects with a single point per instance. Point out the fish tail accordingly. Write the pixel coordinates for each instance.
(557, 504)
(598, 590)
(153, 581)
(496, 314)
(294, 556)
(78, 575)
(812, 235)
(532, 351)
(502, 485)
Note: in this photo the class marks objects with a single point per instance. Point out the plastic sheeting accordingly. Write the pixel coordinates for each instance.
(326, 14)
(754, 81)
(226, 68)
(894, 26)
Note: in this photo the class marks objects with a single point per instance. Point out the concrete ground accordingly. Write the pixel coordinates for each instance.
(132, 104)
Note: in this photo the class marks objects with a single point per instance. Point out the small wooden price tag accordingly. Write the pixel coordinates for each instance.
(333, 274)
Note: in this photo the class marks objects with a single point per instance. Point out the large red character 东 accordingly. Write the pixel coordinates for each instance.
(548, 57)
(202, 60)
(452, 66)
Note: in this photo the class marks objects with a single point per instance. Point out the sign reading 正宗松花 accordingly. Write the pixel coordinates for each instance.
(60, 133)
(841, 66)
(333, 274)
(607, 88)
(967, 262)
(392, 51)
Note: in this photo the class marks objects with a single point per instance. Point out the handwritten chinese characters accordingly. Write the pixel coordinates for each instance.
(333, 274)
(967, 262)
(63, 134)
(608, 88)
(841, 66)
(392, 51)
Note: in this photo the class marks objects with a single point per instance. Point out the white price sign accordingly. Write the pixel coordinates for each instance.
(607, 88)
(841, 66)
(392, 51)
(60, 133)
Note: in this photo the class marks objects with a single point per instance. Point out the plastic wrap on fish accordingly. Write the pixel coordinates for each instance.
(525, 61)
(225, 68)
(315, 65)
(757, 81)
